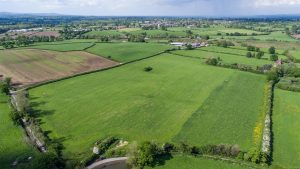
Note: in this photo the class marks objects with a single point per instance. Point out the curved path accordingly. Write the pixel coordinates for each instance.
(119, 163)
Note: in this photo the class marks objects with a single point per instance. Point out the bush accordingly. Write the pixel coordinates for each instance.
(274, 57)
(5, 85)
(148, 69)
(273, 76)
(272, 50)
(249, 55)
(44, 161)
(15, 117)
(259, 55)
(212, 61)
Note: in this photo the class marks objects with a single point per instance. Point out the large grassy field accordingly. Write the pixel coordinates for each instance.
(126, 51)
(13, 143)
(190, 162)
(216, 52)
(28, 66)
(286, 127)
(138, 105)
(104, 33)
(228, 114)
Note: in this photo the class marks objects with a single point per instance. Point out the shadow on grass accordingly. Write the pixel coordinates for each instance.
(161, 160)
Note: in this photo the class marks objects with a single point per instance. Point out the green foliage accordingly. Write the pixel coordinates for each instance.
(5, 85)
(259, 55)
(225, 43)
(273, 57)
(189, 47)
(212, 61)
(249, 55)
(272, 50)
(16, 117)
(43, 160)
(146, 154)
(273, 76)
(105, 144)
(148, 69)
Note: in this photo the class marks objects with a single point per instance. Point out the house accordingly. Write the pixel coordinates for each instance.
(278, 63)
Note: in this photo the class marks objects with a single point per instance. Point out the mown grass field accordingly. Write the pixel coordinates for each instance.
(273, 36)
(138, 105)
(28, 66)
(228, 115)
(216, 52)
(127, 51)
(160, 33)
(286, 117)
(13, 142)
(189, 162)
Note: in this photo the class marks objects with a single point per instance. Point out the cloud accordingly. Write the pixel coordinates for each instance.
(276, 3)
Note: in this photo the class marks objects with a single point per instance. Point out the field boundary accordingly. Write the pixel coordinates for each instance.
(85, 73)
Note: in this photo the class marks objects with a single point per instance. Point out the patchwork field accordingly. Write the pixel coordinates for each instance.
(28, 66)
(13, 142)
(126, 51)
(286, 127)
(139, 105)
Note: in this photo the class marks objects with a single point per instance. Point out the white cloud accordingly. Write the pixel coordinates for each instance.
(276, 3)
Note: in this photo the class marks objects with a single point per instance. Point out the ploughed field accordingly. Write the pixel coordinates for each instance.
(29, 66)
(218, 105)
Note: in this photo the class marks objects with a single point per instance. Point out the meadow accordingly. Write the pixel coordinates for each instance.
(217, 52)
(218, 119)
(13, 141)
(136, 105)
(29, 66)
(286, 118)
(105, 33)
(127, 51)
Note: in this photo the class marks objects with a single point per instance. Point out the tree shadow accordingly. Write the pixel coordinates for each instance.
(161, 160)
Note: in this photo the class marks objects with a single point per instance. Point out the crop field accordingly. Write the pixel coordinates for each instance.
(129, 29)
(29, 66)
(225, 58)
(13, 142)
(126, 51)
(63, 47)
(188, 162)
(127, 105)
(286, 127)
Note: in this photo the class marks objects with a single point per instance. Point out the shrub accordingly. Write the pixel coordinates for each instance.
(273, 57)
(5, 85)
(272, 50)
(212, 61)
(249, 55)
(273, 76)
(44, 160)
(260, 54)
(15, 117)
(148, 69)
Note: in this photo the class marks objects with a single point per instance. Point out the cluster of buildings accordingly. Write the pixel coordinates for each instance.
(24, 30)
(194, 45)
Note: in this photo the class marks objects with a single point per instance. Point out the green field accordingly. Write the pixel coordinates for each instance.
(13, 143)
(136, 105)
(160, 33)
(286, 127)
(225, 58)
(63, 46)
(104, 33)
(218, 119)
(274, 36)
(189, 162)
(126, 51)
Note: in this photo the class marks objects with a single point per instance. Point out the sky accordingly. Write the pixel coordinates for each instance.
(153, 7)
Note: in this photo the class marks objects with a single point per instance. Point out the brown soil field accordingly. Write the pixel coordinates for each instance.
(31, 66)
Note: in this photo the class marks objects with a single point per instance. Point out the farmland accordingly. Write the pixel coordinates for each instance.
(125, 111)
(13, 143)
(126, 52)
(166, 92)
(29, 66)
(286, 124)
(225, 58)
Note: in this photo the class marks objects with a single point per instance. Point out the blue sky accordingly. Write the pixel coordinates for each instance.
(154, 7)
